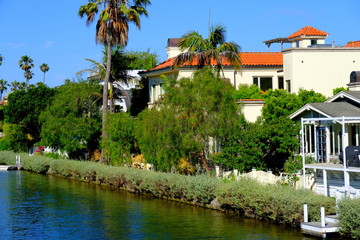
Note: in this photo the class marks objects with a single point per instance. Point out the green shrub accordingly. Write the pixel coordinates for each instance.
(270, 202)
(280, 204)
(349, 217)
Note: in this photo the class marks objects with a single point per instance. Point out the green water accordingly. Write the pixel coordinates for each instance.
(34, 206)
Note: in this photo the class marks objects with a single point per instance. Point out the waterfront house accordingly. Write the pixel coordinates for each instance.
(309, 63)
(330, 135)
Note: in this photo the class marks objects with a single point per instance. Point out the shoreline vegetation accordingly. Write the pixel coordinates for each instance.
(274, 203)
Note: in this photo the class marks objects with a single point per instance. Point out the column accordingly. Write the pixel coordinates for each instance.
(333, 141)
(325, 183)
(327, 130)
(310, 138)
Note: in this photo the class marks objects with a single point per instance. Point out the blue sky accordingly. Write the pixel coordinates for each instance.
(51, 31)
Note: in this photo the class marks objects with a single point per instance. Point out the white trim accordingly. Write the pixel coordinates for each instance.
(306, 108)
(342, 95)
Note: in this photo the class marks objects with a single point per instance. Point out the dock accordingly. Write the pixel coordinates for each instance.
(8, 168)
(328, 226)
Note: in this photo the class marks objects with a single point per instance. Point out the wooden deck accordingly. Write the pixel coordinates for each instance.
(315, 229)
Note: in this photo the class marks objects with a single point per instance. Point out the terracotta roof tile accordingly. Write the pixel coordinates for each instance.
(247, 59)
(308, 31)
(353, 44)
(261, 58)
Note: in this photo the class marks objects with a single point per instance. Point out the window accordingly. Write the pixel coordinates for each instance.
(297, 44)
(264, 83)
(288, 85)
(281, 82)
(313, 41)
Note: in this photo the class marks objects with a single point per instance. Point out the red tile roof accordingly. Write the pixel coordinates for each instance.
(247, 59)
(261, 58)
(353, 44)
(308, 31)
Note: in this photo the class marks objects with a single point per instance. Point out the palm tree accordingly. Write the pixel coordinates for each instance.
(26, 63)
(210, 51)
(3, 86)
(44, 68)
(14, 85)
(118, 73)
(112, 29)
(1, 59)
(22, 86)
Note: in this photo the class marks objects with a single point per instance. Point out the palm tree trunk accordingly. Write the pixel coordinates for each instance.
(105, 97)
(111, 96)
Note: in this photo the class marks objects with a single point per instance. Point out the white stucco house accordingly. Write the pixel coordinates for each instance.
(330, 134)
(310, 63)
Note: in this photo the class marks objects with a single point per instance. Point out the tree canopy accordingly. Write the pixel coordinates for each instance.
(205, 50)
(23, 110)
(72, 122)
(193, 112)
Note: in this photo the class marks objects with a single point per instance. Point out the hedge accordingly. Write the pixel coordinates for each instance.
(279, 204)
(349, 217)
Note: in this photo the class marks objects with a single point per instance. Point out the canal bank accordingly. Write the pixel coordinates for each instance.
(277, 204)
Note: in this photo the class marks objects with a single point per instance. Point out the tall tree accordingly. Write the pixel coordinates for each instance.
(1, 59)
(26, 63)
(112, 29)
(118, 73)
(14, 85)
(3, 86)
(192, 112)
(44, 68)
(22, 86)
(23, 110)
(72, 122)
(210, 51)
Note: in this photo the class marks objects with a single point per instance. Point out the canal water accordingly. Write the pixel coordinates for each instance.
(34, 206)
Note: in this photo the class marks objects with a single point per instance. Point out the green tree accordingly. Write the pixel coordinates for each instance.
(26, 63)
(22, 86)
(1, 59)
(14, 85)
(121, 142)
(23, 110)
(210, 51)
(248, 92)
(3, 87)
(111, 30)
(279, 103)
(118, 73)
(72, 122)
(141, 60)
(339, 89)
(193, 112)
(44, 68)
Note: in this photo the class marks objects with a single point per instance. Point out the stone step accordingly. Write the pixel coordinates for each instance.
(331, 219)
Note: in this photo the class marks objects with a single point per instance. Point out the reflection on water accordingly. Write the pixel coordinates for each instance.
(45, 207)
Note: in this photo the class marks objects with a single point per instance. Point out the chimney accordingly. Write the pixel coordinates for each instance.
(172, 48)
